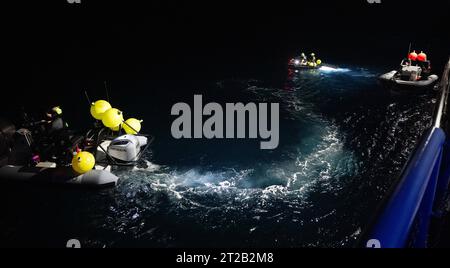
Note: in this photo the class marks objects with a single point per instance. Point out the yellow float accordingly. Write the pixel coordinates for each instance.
(132, 126)
(83, 162)
(112, 118)
(98, 108)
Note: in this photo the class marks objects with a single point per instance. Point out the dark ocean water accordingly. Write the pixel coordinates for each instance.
(343, 142)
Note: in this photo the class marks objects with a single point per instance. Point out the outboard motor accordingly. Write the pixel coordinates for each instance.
(410, 73)
(126, 148)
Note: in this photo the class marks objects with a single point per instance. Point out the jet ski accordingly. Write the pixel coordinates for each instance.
(414, 73)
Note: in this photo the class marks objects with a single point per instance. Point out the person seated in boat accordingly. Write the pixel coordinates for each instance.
(426, 67)
(54, 120)
(423, 63)
(303, 59)
(55, 137)
(313, 59)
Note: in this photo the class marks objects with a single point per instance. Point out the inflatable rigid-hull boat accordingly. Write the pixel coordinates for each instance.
(303, 66)
(392, 80)
(125, 150)
(57, 175)
(15, 154)
(298, 64)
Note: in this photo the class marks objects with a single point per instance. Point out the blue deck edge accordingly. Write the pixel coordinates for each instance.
(409, 208)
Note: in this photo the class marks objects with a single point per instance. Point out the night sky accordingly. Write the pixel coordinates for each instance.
(57, 47)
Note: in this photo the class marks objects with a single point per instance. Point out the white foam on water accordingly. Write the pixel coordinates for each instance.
(332, 69)
(150, 167)
(322, 165)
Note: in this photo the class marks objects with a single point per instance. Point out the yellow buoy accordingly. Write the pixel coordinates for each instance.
(132, 126)
(319, 62)
(83, 162)
(57, 110)
(112, 118)
(98, 108)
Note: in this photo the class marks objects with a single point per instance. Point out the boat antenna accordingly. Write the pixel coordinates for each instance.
(106, 89)
(409, 48)
(87, 97)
